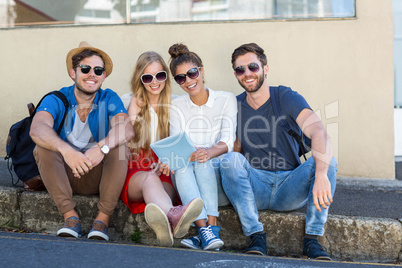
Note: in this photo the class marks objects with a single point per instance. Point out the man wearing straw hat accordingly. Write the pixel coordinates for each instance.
(89, 156)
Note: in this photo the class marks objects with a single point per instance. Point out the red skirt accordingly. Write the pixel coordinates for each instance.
(139, 162)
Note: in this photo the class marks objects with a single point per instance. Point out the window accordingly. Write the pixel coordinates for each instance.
(143, 11)
(314, 8)
(203, 10)
(16, 13)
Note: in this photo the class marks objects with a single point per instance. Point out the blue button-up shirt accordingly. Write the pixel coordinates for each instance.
(104, 107)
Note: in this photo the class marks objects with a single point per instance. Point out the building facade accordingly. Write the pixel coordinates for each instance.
(344, 66)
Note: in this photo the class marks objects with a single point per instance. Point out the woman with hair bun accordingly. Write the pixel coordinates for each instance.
(209, 119)
(148, 187)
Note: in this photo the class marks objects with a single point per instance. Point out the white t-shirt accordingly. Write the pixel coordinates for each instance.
(208, 124)
(80, 137)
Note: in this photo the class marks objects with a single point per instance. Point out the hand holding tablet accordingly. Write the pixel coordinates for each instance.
(174, 151)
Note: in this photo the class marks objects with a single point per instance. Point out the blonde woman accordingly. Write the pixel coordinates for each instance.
(148, 187)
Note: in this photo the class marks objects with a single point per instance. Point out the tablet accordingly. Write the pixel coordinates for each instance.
(174, 150)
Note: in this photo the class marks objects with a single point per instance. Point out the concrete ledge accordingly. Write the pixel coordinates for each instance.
(9, 207)
(347, 238)
(361, 239)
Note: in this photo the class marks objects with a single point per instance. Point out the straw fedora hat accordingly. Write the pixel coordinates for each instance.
(84, 45)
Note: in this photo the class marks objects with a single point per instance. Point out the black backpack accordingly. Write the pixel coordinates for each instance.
(303, 141)
(20, 145)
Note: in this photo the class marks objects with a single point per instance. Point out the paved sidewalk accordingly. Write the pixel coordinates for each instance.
(41, 250)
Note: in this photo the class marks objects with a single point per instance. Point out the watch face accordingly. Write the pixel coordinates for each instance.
(105, 149)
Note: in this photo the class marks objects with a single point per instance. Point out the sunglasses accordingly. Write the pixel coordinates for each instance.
(253, 67)
(159, 76)
(193, 73)
(86, 68)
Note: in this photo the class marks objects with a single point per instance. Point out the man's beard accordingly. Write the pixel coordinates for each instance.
(260, 81)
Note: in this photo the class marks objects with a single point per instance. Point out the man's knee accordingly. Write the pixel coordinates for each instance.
(121, 153)
(333, 166)
(332, 170)
(43, 154)
(230, 167)
(231, 161)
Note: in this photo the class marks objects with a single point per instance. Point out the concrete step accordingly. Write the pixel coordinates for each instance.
(346, 238)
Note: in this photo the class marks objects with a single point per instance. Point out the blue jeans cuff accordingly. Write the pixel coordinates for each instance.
(253, 231)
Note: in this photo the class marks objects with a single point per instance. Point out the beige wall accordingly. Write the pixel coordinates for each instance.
(344, 68)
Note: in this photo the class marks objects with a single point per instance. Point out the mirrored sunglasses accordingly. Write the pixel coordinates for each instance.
(253, 67)
(159, 76)
(86, 68)
(193, 73)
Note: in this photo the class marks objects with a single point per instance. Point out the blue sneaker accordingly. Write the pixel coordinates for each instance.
(195, 241)
(192, 242)
(71, 228)
(98, 231)
(208, 239)
(313, 250)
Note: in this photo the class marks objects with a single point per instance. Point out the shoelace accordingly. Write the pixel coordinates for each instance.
(175, 210)
(173, 213)
(314, 243)
(71, 223)
(99, 226)
(253, 239)
(207, 233)
(195, 240)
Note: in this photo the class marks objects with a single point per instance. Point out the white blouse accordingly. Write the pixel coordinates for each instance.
(208, 124)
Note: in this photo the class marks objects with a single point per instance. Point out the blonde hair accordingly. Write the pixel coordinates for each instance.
(142, 122)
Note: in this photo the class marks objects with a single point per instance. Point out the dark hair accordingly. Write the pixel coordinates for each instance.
(86, 53)
(247, 48)
(179, 54)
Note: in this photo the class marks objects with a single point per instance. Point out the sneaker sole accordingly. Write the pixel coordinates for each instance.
(189, 244)
(191, 213)
(255, 252)
(66, 232)
(158, 221)
(214, 245)
(98, 236)
(322, 258)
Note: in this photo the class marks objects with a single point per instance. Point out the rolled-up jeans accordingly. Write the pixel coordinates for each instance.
(250, 190)
(106, 179)
(199, 180)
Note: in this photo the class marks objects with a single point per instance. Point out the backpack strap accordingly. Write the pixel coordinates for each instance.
(274, 92)
(65, 102)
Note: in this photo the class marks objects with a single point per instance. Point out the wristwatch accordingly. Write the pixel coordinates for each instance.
(104, 148)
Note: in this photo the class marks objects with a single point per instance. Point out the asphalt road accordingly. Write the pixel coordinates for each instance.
(37, 250)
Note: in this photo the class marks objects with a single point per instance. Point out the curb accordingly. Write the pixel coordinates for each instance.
(346, 238)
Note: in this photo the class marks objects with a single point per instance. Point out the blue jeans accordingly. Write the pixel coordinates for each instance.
(222, 198)
(199, 180)
(250, 190)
